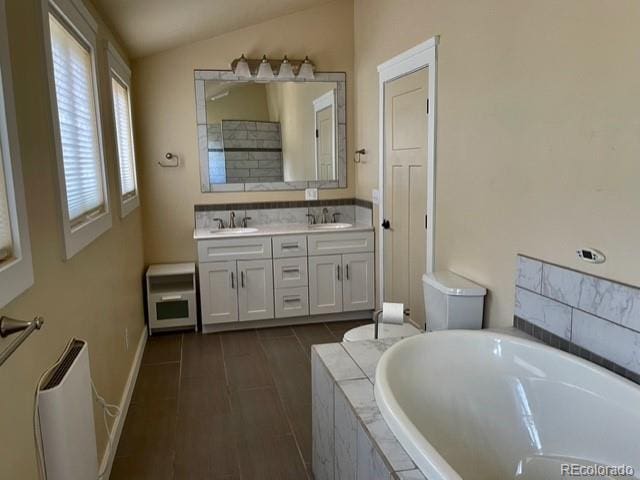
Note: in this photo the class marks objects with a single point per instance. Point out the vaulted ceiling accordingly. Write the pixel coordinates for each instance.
(150, 26)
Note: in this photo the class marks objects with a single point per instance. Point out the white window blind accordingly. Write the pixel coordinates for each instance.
(121, 108)
(6, 241)
(73, 77)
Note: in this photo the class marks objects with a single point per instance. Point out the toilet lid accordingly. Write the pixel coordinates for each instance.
(366, 332)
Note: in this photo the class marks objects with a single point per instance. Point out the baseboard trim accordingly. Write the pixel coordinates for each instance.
(125, 400)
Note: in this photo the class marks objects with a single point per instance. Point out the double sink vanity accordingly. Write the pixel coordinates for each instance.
(280, 274)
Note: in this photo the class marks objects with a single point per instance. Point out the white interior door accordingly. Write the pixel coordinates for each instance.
(405, 190)
(325, 122)
(255, 292)
(218, 287)
(358, 291)
(325, 284)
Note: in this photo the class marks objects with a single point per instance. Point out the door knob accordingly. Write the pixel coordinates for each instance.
(386, 224)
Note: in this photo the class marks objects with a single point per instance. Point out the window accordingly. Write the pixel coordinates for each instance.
(120, 81)
(83, 187)
(16, 270)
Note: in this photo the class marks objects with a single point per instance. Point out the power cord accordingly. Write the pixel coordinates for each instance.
(108, 410)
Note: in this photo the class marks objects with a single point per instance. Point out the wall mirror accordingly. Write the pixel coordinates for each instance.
(273, 135)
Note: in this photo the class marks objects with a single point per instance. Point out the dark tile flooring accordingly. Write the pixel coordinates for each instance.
(232, 406)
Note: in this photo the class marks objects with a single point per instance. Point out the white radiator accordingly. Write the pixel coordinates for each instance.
(66, 418)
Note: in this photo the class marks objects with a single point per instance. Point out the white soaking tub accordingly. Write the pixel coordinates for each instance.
(480, 405)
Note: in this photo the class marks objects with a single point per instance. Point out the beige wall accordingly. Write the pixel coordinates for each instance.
(538, 130)
(325, 33)
(94, 296)
(291, 104)
(245, 102)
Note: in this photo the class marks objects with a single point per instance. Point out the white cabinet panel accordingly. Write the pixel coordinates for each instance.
(325, 284)
(219, 249)
(255, 292)
(357, 287)
(290, 272)
(290, 246)
(348, 242)
(218, 284)
(292, 302)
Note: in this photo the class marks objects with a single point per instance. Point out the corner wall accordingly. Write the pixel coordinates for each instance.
(538, 134)
(94, 296)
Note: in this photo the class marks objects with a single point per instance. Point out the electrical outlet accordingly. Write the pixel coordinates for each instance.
(311, 194)
(126, 339)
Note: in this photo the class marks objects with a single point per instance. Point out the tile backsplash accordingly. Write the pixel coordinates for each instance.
(596, 318)
(271, 213)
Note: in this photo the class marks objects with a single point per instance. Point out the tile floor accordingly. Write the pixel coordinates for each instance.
(232, 406)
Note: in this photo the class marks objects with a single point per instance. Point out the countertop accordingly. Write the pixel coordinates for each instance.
(277, 229)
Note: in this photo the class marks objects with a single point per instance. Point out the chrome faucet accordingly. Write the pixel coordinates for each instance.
(220, 223)
(244, 221)
(325, 212)
(312, 218)
(335, 216)
(232, 220)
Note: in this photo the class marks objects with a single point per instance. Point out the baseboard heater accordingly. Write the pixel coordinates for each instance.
(65, 410)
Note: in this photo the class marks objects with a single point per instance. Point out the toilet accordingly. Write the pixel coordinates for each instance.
(451, 302)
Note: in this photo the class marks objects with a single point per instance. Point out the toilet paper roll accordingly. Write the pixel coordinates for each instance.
(393, 313)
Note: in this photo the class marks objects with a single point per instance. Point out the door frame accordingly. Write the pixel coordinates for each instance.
(326, 100)
(409, 61)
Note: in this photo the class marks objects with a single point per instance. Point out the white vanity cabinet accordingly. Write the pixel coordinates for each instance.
(218, 292)
(285, 276)
(342, 281)
(255, 292)
(236, 279)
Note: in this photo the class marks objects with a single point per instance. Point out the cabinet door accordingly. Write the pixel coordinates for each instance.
(218, 292)
(325, 284)
(358, 289)
(255, 292)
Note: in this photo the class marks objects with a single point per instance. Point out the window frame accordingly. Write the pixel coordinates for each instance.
(120, 71)
(75, 17)
(16, 274)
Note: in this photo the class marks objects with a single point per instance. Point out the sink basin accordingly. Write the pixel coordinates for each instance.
(330, 226)
(234, 231)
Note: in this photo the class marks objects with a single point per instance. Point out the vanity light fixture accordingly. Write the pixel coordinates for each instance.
(306, 70)
(286, 70)
(267, 69)
(242, 68)
(265, 72)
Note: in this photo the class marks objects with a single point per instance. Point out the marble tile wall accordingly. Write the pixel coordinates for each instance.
(281, 215)
(364, 447)
(252, 151)
(596, 318)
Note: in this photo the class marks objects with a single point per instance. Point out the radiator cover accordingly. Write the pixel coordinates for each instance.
(66, 418)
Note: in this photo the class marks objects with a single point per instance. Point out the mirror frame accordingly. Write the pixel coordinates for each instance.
(201, 76)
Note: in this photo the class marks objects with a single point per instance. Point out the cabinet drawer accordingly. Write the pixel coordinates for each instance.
(250, 248)
(332, 243)
(292, 302)
(289, 246)
(290, 272)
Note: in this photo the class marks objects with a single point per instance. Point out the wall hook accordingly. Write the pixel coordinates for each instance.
(173, 157)
(357, 158)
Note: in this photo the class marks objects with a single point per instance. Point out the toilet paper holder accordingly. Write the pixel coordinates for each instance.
(376, 319)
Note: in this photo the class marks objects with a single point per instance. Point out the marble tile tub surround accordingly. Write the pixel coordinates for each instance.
(277, 213)
(595, 318)
(351, 440)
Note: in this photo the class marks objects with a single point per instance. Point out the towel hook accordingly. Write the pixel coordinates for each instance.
(357, 158)
(173, 157)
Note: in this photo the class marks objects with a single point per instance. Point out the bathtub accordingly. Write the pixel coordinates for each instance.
(480, 405)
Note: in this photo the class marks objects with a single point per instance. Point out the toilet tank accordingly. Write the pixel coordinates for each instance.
(452, 302)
